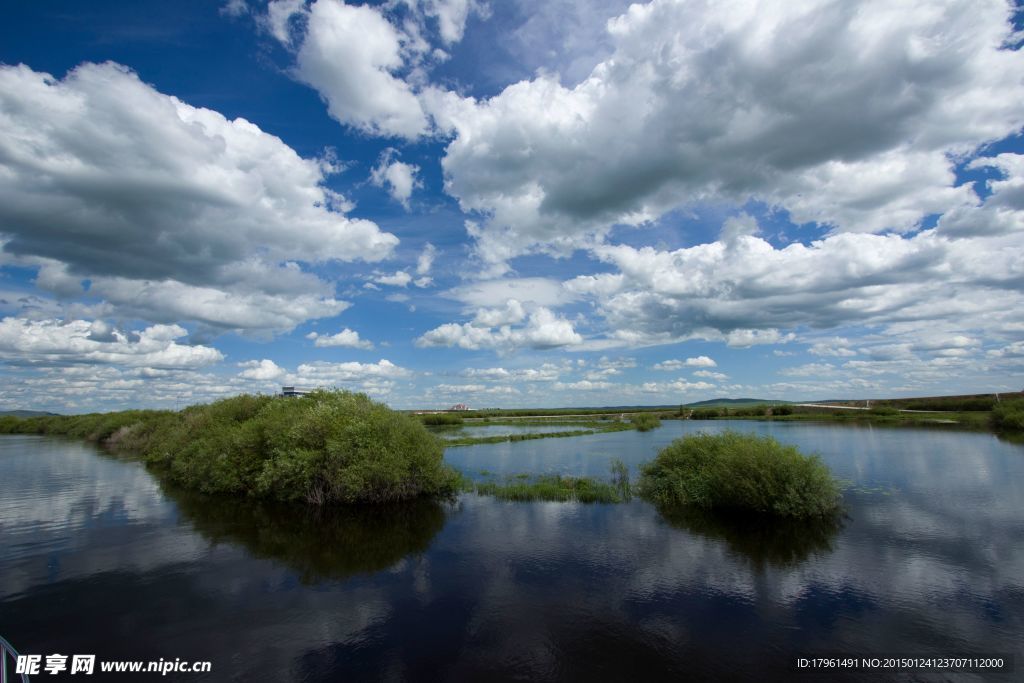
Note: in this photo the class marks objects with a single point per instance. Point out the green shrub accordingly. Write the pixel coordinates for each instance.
(782, 410)
(644, 422)
(739, 472)
(328, 447)
(1008, 415)
(705, 414)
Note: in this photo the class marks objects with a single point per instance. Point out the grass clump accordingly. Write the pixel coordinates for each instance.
(1008, 415)
(740, 473)
(645, 422)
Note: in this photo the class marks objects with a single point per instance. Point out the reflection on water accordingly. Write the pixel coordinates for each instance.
(762, 541)
(318, 544)
(97, 557)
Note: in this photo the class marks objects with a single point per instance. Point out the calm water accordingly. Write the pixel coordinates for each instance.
(97, 557)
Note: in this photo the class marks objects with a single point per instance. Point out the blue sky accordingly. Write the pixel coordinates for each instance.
(521, 203)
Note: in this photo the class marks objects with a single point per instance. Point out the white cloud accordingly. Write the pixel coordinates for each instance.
(678, 386)
(676, 364)
(745, 291)
(543, 330)
(54, 343)
(351, 54)
(836, 346)
(397, 279)
(708, 374)
(346, 338)
(425, 261)
(1002, 212)
(451, 16)
(212, 217)
(746, 338)
(909, 88)
(234, 8)
(583, 385)
(262, 370)
(398, 177)
(529, 290)
(326, 374)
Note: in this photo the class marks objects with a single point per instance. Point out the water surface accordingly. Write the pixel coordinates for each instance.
(98, 557)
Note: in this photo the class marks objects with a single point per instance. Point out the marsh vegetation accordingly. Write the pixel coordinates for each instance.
(740, 473)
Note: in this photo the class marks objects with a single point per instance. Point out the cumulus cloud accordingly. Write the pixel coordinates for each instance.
(372, 378)
(346, 338)
(528, 290)
(450, 15)
(211, 217)
(57, 343)
(547, 372)
(674, 364)
(708, 374)
(845, 114)
(1001, 212)
(398, 177)
(678, 386)
(397, 279)
(746, 292)
(352, 56)
(263, 370)
(543, 329)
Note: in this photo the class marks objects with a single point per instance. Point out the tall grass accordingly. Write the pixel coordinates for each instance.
(739, 472)
(327, 447)
(549, 487)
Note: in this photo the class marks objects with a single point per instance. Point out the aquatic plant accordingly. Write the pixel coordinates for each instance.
(620, 480)
(739, 472)
(548, 487)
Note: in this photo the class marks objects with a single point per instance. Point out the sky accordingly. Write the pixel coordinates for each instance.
(519, 203)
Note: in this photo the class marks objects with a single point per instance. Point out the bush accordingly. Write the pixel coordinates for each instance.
(644, 422)
(782, 410)
(705, 414)
(328, 447)
(740, 472)
(1008, 415)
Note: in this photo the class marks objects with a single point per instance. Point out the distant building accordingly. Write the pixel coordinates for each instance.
(460, 406)
(294, 392)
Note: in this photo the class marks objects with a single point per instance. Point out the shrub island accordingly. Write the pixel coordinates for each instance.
(740, 473)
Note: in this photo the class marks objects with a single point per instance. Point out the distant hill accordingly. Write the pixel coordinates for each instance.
(732, 402)
(25, 413)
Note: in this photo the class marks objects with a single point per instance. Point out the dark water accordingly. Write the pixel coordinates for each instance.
(97, 557)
